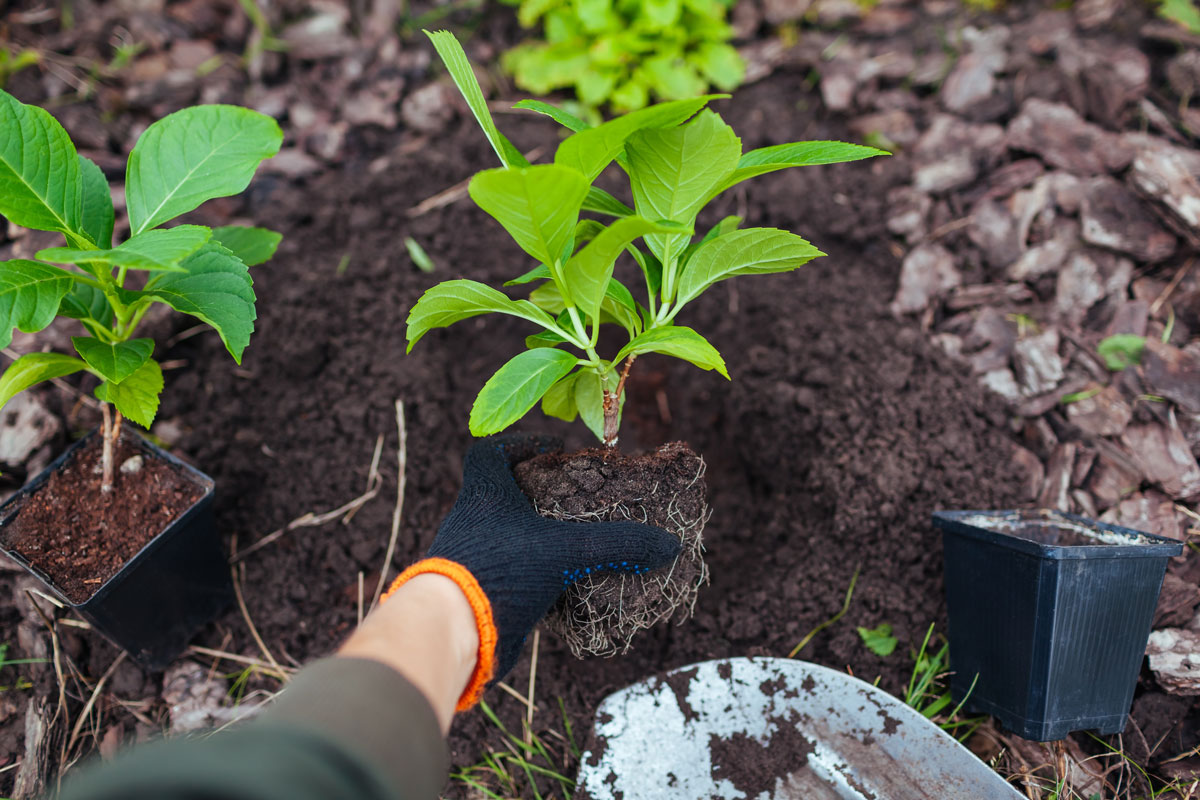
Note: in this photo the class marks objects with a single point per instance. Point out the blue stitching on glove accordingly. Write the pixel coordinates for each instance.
(572, 576)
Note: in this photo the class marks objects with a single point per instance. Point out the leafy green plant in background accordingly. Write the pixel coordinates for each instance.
(178, 163)
(678, 156)
(622, 52)
(879, 640)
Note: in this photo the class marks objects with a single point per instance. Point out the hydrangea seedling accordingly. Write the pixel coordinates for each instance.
(178, 163)
(678, 156)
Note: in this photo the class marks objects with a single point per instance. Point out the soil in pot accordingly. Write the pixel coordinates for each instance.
(600, 614)
(80, 538)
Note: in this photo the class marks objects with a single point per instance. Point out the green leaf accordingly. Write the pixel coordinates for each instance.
(559, 400)
(678, 341)
(564, 118)
(137, 396)
(753, 251)
(216, 288)
(538, 206)
(158, 250)
(548, 298)
(30, 295)
(253, 246)
(796, 154)
(726, 225)
(516, 387)
(720, 65)
(114, 361)
(192, 156)
(1121, 351)
(588, 272)
(651, 268)
(40, 185)
(602, 202)
(455, 59)
(543, 339)
(540, 272)
(453, 301)
(33, 368)
(674, 170)
(591, 150)
(1181, 12)
(879, 640)
(97, 207)
(88, 305)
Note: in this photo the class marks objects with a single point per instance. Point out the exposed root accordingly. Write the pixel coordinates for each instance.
(600, 615)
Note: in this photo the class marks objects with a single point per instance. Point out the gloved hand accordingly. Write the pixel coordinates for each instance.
(512, 563)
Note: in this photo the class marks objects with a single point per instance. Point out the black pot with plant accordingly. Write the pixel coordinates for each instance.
(116, 528)
(1049, 616)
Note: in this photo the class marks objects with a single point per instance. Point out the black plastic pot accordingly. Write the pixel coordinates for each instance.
(176, 583)
(1052, 612)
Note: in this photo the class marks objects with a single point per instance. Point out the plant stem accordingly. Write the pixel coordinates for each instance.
(106, 480)
(612, 405)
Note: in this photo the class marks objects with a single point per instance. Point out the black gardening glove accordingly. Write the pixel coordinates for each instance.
(522, 560)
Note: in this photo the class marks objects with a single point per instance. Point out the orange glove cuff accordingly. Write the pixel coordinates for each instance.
(481, 607)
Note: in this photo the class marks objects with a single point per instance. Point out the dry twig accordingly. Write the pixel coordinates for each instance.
(401, 481)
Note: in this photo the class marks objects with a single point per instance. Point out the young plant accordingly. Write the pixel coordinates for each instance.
(678, 156)
(623, 51)
(178, 163)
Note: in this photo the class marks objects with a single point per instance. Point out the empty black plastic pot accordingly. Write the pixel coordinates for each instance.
(176, 583)
(1052, 612)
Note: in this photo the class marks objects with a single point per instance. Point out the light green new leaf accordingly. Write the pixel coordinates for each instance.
(540, 272)
(453, 301)
(253, 246)
(33, 368)
(30, 295)
(548, 298)
(673, 172)
(723, 227)
(455, 59)
(114, 361)
(795, 154)
(559, 400)
(591, 150)
(96, 220)
(588, 272)
(158, 250)
(192, 156)
(136, 397)
(753, 251)
(40, 186)
(538, 206)
(602, 202)
(564, 118)
(1181, 12)
(516, 387)
(216, 288)
(678, 341)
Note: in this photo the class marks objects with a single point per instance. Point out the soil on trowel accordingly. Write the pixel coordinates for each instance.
(79, 537)
(600, 614)
(754, 766)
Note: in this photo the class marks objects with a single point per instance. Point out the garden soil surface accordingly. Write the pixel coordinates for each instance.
(841, 431)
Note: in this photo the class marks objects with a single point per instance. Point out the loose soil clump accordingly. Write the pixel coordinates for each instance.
(600, 614)
(80, 538)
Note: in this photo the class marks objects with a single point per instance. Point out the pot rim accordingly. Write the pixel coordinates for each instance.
(1140, 544)
(11, 507)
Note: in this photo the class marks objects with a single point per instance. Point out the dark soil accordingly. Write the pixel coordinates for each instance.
(600, 614)
(754, 767)
(80, 538)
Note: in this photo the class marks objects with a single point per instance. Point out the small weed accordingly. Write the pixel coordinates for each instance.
(831, 620)
(1075, 397)
(13, 61)
(506, 773)
(928, 693)
(1121, 351)
(418, 255)
(1182, 12)
(879, 640)
(21, 682)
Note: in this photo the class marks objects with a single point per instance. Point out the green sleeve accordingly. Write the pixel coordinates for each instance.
(343, 729)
